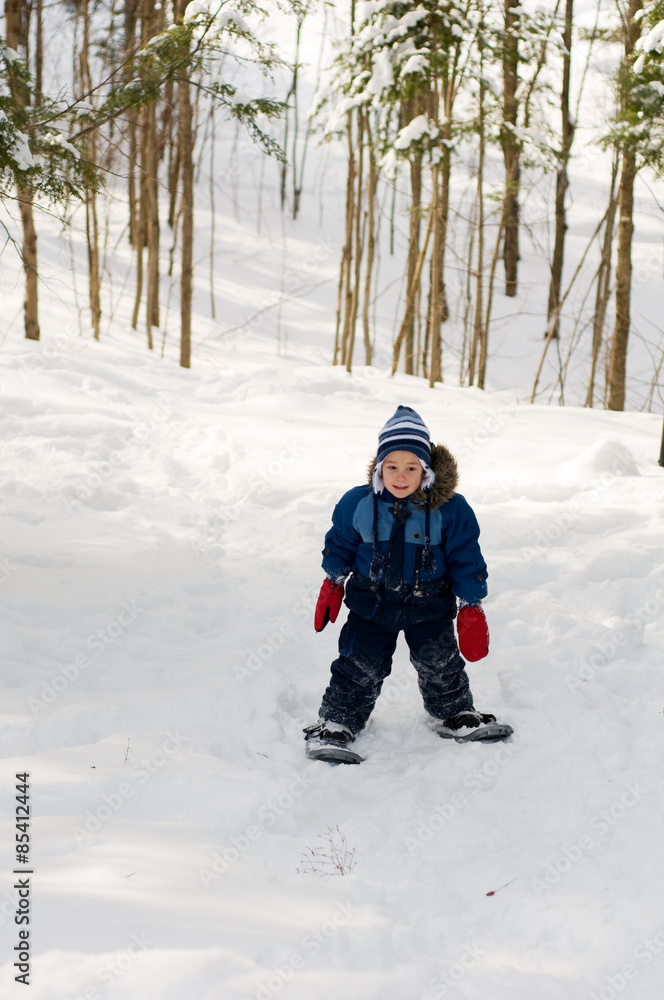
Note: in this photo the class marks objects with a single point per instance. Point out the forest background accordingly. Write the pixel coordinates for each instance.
(486, 177)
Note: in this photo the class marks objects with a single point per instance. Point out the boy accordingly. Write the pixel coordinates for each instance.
(410, 545)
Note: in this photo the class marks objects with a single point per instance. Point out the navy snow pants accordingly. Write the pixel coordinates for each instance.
(366, 648)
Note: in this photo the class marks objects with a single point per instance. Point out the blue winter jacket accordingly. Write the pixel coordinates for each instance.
(453, 529)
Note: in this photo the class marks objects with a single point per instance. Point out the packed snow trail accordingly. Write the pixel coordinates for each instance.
(160, 550)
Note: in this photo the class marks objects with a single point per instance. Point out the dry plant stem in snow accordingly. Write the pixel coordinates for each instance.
(332, 858)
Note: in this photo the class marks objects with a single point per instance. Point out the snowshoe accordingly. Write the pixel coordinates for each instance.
(327, 741)
(472, 726)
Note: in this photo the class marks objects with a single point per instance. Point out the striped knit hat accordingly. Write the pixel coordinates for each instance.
(405, 431)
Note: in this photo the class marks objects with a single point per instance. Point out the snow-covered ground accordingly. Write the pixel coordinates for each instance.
(160, 533)
(160, 537)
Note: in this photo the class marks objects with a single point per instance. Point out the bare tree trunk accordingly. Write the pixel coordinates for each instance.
(291, 91)
(148, 229)
(440, 178)
(140, 223)
(479, 326)
(213, 210)
(372, 186)
(436, 293)
(345, 289)
(187, 154)
(132, 156)
(130, 19)
(413, 255)
(39, 53)
(350, 344)
(17, 17)
(152, 214)
(185, 133)
(25, 197)
(603, 281)
(139, 277)
(511, 149)
(409, 110)
(91, 222)
(618, 360)
(411, 295)
(300, 14)
(464, 361)
(567, 136)
(340, 294)
(173, 175)
(165, 131)
(297, 190)
(92, 233)
(445, 176)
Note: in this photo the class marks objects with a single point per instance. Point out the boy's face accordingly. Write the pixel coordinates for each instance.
(402, 473)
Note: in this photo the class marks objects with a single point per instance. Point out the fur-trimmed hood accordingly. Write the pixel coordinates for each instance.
(446, 477)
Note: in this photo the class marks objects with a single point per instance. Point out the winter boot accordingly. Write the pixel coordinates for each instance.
(328, 741)
(470, 726)
(329, 733)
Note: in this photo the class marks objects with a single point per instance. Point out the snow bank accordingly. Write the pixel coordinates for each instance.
(160, 534)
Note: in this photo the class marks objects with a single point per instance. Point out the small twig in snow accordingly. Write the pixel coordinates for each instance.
(494, 891)
(332, 858)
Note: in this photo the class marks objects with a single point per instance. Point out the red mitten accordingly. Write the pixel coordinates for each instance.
(328, 604)
(473, 633)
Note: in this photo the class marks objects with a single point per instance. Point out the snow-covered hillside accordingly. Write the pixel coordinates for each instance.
(160, 538)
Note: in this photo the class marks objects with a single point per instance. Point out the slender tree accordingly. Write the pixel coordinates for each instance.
(370, 229)
(410, 110)
(562, 180)
(357, 242)
(637, 136)
(349, 248)
(618, 358)
(185, 140)
(91, 219)
(511, 145)
(130, 24)
(479, 336)
(17, 20)
(603, 279)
